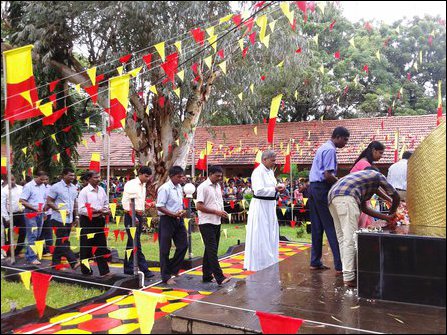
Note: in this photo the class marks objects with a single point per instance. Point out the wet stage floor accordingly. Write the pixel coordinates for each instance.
(290, 288)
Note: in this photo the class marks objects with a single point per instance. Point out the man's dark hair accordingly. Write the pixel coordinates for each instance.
(41, 173)
(406, 155)
(214, 169)
(67, 170)
(145, 170)
(89, 174)
(175, 170)
(340, 132)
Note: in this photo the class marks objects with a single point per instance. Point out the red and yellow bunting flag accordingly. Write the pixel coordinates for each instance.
(119, 100)
(258, 158)
(21, 92)
(171, 66)
(201, 163)
(274, 323)
(439, 115)
(287, 164)
(276, 101)
(4, 164)
(95, 162)
(50, 120)
(40, 281)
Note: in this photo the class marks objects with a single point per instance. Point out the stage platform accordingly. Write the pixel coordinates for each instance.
(290, 288)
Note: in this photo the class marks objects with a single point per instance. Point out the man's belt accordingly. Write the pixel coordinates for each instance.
(264, 198)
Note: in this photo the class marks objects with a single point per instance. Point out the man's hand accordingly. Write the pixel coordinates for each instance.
(75, 223)
(180, 214)
(222, 214)
(280, 188)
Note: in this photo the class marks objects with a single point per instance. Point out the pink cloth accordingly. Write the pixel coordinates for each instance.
(364, 219)
(360, 165)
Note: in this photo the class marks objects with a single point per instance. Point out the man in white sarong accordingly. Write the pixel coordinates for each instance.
(262, 237)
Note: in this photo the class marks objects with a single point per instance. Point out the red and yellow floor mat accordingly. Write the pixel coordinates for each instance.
(120, 316)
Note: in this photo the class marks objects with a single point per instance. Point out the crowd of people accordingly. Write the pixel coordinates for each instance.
(338, 207)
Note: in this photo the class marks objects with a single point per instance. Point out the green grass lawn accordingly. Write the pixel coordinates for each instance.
(60, 295)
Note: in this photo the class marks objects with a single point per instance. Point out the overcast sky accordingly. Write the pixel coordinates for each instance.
(390, 11)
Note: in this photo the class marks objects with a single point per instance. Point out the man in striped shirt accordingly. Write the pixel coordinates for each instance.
(346, 199)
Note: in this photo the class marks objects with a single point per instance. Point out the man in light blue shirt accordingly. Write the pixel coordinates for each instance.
(33, 199)
(322, 177)
(62, 199)
(171, 226)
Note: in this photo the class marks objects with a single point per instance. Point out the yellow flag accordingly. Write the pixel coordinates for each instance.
(92, 75)
(373, 203)
(63, 213)
(321, 5)
(255, 130)
(39, 248)
(112, 207)
(208, 61)
(225, 232)
(153, 89)
(266, 41)
(240, 95)
(84, 142)
(117, 219)
(305, 201)
(86, 263)
(78, 88)
(252, 88)
(177, 141)
(378, 55)
(225, 18)
(92, 235)
(178, 45)
(120, 70)
(262, 23)
(241, 43)
(132, 231)
(280, 64)
(128, 252)
(229, 217)
(186, 222)
(283, 210)
(181, 75)
(210, 31)
(352, 42)
(149, 220)
(160, 47)
(145, 303)
(212, 42)
(177, 92)
(223, 66)
(26, 279)
(274, 107)
(58, 157)
(47, 108)
(87, 121)
(135, 71)
(25, 149)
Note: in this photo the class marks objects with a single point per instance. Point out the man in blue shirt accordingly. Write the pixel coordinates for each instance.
(171, 226)
(33, 199)
(322, 177)
(62, 199)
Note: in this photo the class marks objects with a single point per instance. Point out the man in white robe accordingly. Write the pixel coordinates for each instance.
(262, 236)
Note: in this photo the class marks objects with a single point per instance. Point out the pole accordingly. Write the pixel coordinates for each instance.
(11, 216)
(193, 164)
(189, 230)
(135, 258)
(291, 178)
(108, 159)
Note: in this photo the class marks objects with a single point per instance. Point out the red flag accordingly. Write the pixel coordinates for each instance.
(302, 5)
(106, 231)
(237, 19)
(94, 250)
(170, 66)
(125, 59)
(116, 232)
(396, 155)
(155, 237)
(198, 35)
(366, 68)
(244, 52)
(5, 248)
(287, 165)
(293, 26)
(93, 92)
(195, 67)
(271, 129)
(40, 281)
(51, 248)
(64, 239)
(278, 324)
(185, 202)
(50, 120)
(252, 38)
(220, 53)
(161, 101)
(16, 230)
(262, 78)
(148, 60)
(99, 78)
(31, 215)
(89, 211)
(67, 129)
(53, 84)
(337, 55)
(68, 152)
(249, 24)
(93, 138)
(331, 27)
(232, 204)
(292, 223)
(439, 116)
(259, 4)
(298, 51)
(122, 235)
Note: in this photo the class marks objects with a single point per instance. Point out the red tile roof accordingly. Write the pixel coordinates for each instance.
(237, 145)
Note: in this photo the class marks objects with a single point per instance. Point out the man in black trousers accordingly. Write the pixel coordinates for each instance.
(171, 226)
(211, 210)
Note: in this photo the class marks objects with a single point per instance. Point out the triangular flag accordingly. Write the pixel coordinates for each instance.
(240, 95)
(225, 18)
(86, 263)
(208, 61)
(283, 210)
(112, 207)
(280, 64)
(352, 42)
(120, 70)
(275, 324)
(24, 150)
(26, 279)
(128, 253)
(153, 89)
(212, 41)
(181, 75)
(378, 55)
(41, 281)
(63, 213)
(87, 121)
(135, 71)
(210, 31)
(225, 231)
(91, 235)
(272, 26)
(305, 201)
(39, 248)
(178, 45)
(145, 303)
(78, 88)
(92, 75)
(47, 108)
(160, 47)
(117, 219)
(133, 231)
(149, 220)
(255, 130)
(252, 88)
(78, 233)
(223, 66)
(177, 92)
(186, 223)
(266, 41)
